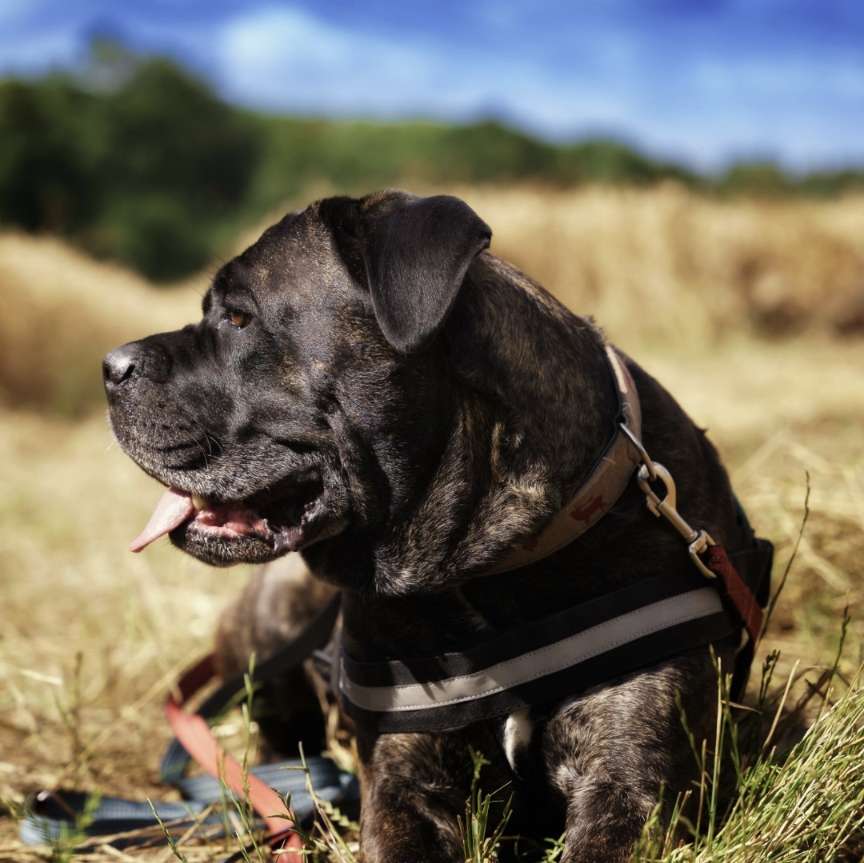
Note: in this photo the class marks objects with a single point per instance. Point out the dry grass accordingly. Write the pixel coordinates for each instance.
(652, 266)
(64, 311)
(91, 636)
(667, 264)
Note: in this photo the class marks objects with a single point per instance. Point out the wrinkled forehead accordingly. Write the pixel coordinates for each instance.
(294, 257)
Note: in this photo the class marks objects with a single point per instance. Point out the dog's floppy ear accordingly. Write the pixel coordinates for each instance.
(417, 252)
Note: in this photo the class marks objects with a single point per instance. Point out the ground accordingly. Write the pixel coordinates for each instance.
(91, 636)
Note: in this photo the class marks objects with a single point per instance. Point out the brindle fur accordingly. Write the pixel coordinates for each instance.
(447, 454)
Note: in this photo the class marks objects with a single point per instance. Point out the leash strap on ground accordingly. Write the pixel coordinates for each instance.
(90, 819)
(86, 818)
(198, 740)
(314, 636)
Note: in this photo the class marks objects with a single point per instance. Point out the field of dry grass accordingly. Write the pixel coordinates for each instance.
(751, 313)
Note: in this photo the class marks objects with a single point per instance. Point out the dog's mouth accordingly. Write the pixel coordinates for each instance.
(286, 518)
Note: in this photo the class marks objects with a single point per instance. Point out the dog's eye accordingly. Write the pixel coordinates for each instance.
(237, 319)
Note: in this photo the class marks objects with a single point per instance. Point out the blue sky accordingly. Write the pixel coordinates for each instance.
(704, 80)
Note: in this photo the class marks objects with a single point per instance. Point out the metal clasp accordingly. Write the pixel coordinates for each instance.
(640, 448)
(697, 540)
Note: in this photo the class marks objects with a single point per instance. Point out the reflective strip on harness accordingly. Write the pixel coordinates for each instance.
(546, 661)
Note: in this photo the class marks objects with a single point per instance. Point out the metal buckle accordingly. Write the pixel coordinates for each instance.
(697, 540)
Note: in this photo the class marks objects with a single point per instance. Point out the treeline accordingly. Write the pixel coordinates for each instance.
(139, 160)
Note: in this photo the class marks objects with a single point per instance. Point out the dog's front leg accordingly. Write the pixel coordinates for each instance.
(615, 751)
(415, 787)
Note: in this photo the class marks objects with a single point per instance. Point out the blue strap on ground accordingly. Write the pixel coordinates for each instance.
(75, 816)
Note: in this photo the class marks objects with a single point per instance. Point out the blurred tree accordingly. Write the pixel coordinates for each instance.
(147, 170)
(48, 165)
(826, 183)
(158, 236)
(490, 151)
(759, 177)
(178, 161)
(607, 160)
(167, 132)
(110, 64)
(138, 159)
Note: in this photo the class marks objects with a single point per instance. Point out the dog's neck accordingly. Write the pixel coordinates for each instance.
(534, 406)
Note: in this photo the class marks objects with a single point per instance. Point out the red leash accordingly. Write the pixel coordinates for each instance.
(739, 594)
(198, 740)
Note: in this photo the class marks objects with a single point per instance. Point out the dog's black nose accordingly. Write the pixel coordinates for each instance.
(134, 360)
(120, 365)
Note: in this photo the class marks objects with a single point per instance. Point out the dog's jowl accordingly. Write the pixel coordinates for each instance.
(441, 440)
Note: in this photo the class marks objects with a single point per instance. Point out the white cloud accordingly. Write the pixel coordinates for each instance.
(284, 58)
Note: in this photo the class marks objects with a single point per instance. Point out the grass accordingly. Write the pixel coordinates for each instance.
(91, 637)
(808, 806)
(486, 817)
(661, 267)
(669, 266)
(66, 311)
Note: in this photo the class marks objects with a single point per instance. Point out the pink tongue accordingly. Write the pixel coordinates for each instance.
(173, 509)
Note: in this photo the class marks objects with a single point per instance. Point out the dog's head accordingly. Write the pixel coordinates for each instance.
(305, 401)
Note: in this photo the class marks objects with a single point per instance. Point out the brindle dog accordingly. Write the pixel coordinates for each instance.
(372, 388)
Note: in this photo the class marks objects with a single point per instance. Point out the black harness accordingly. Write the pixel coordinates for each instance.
(545, 661)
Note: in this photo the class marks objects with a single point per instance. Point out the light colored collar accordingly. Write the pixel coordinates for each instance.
(600, 490)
